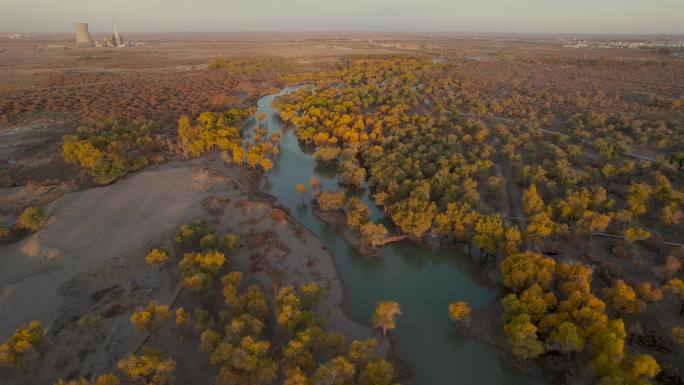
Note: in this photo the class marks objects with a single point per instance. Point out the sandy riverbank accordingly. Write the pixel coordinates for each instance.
(90, 257)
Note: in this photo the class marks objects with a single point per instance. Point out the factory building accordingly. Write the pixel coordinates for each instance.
(83, 39)
(114, 40)
(82, 35)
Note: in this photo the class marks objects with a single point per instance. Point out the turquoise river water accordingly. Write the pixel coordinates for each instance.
(423, 281)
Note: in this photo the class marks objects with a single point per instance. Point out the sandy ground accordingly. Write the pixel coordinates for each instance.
(13, 199)
(35, 146)
(90, 257)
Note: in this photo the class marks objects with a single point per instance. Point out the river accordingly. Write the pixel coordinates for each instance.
(423, 281)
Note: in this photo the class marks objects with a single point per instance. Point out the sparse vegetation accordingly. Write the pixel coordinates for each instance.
(112, 151)
(32, 219)
(23, 341)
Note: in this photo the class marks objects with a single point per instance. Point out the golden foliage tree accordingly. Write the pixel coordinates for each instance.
(373, 233)
(329, 201)
(157, 257)
(523, 270)
(152, 317)
(459, 311)
(148, 367)
(532, 201)
(198, 269)
(623, 298)
(384, 316)
(22, 341)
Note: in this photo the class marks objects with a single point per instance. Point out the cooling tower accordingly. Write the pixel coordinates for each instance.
(82, 35)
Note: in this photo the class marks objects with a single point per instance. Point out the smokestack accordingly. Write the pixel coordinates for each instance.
(116, 33)
(82, 35)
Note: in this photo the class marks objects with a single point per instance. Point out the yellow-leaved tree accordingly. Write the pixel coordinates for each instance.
(385, 312)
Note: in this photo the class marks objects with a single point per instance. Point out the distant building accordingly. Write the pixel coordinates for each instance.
(645, 44)
(82, 35)
(114, 40)
(22, 36)
(83, 38)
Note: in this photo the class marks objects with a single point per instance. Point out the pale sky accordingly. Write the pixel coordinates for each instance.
(524, 16)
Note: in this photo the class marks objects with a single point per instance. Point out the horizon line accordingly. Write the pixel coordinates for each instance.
(353, 31)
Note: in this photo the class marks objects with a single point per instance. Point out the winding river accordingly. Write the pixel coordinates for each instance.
(423, 281)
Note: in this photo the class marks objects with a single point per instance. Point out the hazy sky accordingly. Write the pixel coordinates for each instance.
(552, 16)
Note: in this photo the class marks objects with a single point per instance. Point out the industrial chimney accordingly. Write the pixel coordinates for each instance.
(82, 35)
